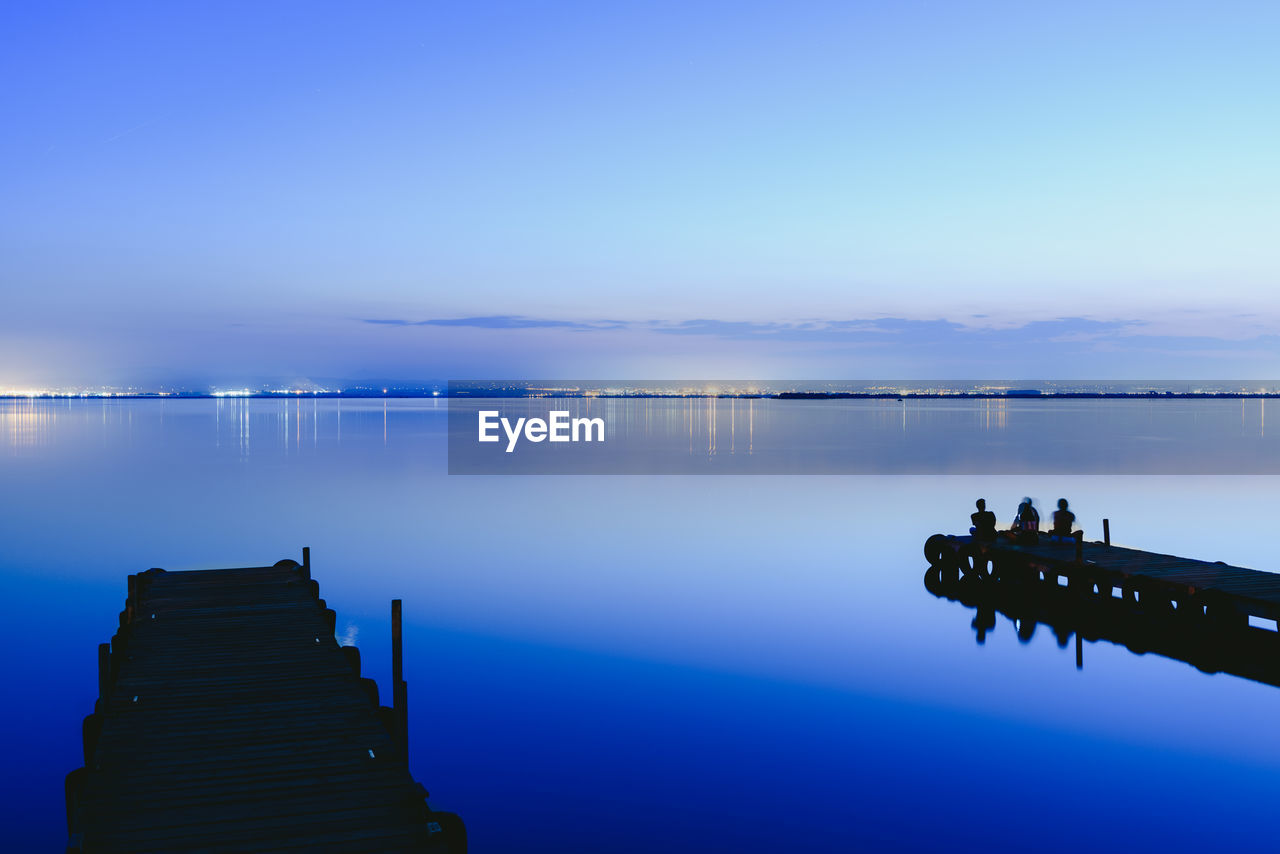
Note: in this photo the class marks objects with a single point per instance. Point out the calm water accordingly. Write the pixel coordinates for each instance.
(878, 436)
(630, 664)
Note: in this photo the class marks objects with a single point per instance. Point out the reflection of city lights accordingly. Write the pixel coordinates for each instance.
(26, 422)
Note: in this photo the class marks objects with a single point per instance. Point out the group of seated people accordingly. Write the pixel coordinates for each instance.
(1026, 524)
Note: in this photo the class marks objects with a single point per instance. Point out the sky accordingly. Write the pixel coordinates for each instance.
(223, 192)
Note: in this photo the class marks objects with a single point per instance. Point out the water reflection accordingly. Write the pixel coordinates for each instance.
(236, 426)
(880, 436)
(715, 435)
(26, 423)
(1247, 651)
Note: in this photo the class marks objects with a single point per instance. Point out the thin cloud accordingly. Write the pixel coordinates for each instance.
(880, 329)
(876, 330)
(129, 130)
(1058, 337)
(500, 321)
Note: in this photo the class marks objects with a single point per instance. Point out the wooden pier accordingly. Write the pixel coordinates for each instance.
(229, 719)
(1212, 595)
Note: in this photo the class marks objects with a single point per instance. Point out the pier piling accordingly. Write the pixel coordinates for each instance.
(104, 672)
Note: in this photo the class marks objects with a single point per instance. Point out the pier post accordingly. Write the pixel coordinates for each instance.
(104, 672)
(1106, 531)
(306, 561)
(1079, 546)
(399, 690)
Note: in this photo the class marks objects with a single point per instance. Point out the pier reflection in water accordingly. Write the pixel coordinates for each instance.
(1210, 645)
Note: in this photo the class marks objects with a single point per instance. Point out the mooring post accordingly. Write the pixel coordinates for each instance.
(399, 690)
(306, 562)
(1106, 531)
(104, 672)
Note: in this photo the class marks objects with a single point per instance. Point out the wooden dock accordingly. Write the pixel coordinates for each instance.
(229, 719)
(1215, 594)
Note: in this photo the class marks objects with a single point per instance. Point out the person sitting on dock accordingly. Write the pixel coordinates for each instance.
(1026, 525)
(1063, 520)
(984, 522)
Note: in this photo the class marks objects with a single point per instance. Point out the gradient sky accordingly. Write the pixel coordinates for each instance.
(224, 192)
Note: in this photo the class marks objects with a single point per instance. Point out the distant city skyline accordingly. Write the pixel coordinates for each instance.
(244, 193)
(886, 388)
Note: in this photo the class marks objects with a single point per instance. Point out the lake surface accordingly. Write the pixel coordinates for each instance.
(674, 663)
(864, 436)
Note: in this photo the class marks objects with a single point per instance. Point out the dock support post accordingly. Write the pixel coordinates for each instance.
(1079, 651)
(399, 690)
(1079, 546)
(306, 562)
(1106, 531)
(104, 672)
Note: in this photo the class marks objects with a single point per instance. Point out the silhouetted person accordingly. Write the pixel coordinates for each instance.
(984, 522)
(1026, 525)
(1063, 519)
(983, 622)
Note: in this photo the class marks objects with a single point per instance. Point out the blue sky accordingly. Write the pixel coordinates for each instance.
(224, 192)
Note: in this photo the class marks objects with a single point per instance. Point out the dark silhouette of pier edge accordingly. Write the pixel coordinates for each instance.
(1184, 609)
(229, 719)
